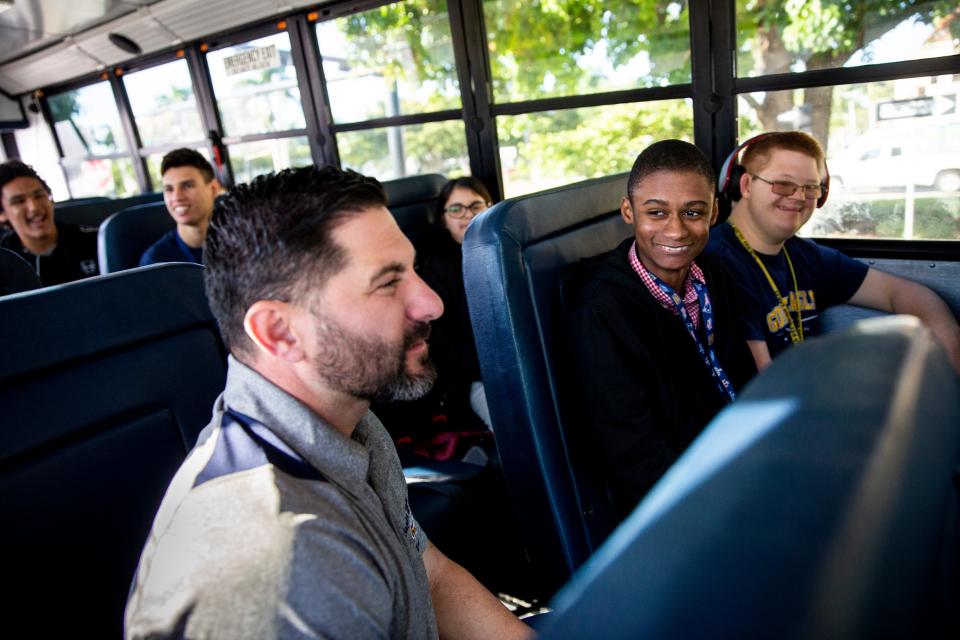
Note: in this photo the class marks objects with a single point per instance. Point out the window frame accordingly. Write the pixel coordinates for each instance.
(714, 90)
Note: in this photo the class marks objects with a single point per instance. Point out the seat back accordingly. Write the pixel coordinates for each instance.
(90, 212)
(16, 274)
(942, 276)
(124, 236)
(72, 202)
(514, 257)
(822, 503)
(105, 384)
(412, 200)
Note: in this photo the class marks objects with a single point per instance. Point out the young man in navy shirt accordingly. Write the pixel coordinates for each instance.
(189, 190)
(788, 281)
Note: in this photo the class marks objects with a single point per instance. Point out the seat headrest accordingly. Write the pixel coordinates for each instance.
(82, 318)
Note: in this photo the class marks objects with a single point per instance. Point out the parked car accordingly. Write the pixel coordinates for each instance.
(928, 158)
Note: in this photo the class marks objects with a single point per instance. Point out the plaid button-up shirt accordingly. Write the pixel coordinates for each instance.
(688, 294)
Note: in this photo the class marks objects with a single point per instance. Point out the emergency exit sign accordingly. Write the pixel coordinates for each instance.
(251, 60)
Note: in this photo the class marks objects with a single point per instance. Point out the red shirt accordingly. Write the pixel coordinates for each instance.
(688, 294)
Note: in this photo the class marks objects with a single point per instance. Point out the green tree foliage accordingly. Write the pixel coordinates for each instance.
(555, 47)
(779, 36)
(548, 48)
(373, 34)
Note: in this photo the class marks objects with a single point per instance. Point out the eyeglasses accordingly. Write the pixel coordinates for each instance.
(460, 210)
(786, 188)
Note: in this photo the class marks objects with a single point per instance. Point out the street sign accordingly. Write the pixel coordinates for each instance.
(917, 107)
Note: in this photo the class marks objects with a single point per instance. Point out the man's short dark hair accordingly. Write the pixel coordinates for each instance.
(13, 169)
(184, 157)
(670, 155)
(270, 240)
(466, 182)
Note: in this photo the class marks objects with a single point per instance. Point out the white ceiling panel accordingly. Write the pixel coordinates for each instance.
(154, 28)
(38, 71)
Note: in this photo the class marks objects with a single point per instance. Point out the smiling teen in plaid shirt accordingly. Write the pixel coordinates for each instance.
(654, 334)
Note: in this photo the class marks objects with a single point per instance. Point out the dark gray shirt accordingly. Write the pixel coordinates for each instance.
(279, 526)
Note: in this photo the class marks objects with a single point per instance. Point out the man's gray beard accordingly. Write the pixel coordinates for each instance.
(371, 369)
(407, 386)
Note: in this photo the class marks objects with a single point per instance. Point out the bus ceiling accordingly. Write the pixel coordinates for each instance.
(48, 43)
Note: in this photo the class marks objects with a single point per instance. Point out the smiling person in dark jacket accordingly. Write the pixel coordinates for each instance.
(57, 251)
(653, 327)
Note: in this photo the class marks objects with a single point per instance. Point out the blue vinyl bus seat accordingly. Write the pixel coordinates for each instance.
(124, 236)
(412, 200)
(941, 276)
(16, 274)
(105, 384)
(821, 504)
(72, 202)
(91, 212)
(515, 255)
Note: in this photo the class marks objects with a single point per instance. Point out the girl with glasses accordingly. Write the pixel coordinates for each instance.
(440, 264)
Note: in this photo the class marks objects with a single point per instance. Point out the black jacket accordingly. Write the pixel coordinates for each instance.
(74, 257)
(645, 390)
(440, 264)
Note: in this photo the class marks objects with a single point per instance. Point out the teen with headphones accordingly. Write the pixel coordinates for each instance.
(773, 182)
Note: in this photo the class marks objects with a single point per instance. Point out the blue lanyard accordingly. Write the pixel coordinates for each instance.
(706, 316)
(277, 452)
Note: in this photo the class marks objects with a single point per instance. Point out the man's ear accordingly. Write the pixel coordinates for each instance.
(715, 212)
(626, 211)
(270, 325)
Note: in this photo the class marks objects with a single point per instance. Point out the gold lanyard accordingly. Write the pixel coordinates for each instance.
(796, 328)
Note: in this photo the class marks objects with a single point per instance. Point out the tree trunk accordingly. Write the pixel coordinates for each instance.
(772, 57)
(820, 102)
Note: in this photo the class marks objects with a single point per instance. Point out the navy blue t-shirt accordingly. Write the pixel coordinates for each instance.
(171, 248)
(825, 277)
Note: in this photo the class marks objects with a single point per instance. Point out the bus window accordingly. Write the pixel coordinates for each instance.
(556, 54)
(37, 148)
(890, 178)
(391, 61)
(164, 106)
(395, 152)
(94, 146)
(251, 159)
(394, 61)
(892, 151)
(541, 49)
(257, 92)
(549, 149)
(811, 35)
